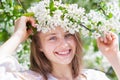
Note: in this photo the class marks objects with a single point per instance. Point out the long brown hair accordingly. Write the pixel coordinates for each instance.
(40, 64)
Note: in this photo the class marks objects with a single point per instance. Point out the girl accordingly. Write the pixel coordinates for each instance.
(55, 55)
(56, 48)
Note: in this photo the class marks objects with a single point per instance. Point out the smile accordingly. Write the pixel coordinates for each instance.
(63, 53)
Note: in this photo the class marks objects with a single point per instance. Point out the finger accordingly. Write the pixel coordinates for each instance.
(16, 21)
(105, 39)
(109, 37)
(25, 19)
(113, 36)
(100, 41)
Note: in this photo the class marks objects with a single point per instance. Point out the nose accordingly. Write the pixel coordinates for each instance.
(64, 44)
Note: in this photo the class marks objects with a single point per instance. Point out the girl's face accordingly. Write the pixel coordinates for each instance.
(58, 46)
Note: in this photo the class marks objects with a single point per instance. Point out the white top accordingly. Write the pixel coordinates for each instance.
(10, 70)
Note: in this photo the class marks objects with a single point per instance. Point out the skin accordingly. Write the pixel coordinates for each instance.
(20, 34)
(58, 42)
(108, 45)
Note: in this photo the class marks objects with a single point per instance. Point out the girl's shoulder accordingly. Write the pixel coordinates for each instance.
(31, 75)
(35, 76)
(92, 74)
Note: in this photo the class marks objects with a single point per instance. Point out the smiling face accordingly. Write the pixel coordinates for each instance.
(58, 46)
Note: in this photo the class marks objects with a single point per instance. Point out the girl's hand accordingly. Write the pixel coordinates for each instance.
(108, 45)
(21, 29)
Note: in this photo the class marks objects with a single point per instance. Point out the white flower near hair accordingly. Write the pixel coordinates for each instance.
(50, 14)
(64, 15)
(113, 7)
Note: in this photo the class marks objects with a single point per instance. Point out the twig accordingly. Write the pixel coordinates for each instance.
(100, 8)
(86, 27)
(22, 6)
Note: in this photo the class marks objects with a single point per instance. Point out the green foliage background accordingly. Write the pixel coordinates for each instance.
(10, 10)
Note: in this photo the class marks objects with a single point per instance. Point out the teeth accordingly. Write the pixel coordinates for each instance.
(66, 52)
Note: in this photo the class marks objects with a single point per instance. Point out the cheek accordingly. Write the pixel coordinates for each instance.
(48, 51)
(73, 43)
(48, 48)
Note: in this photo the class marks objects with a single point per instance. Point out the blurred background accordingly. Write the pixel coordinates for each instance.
(13, 9)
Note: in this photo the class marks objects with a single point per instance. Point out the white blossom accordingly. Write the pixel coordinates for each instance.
(3, 0)
(1, 11)
(94, 57)
(70, 17)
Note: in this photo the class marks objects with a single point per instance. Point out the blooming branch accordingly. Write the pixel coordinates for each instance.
(50, 14)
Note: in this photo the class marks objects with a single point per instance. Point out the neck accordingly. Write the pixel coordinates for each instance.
(63, 72)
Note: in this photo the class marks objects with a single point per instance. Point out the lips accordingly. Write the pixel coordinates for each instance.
(64, 56)
(64, 52)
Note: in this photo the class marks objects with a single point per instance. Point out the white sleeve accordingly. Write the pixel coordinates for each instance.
(95, 75)
(10, 69)
(8, 65)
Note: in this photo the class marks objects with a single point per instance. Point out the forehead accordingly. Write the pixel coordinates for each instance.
(57, 30)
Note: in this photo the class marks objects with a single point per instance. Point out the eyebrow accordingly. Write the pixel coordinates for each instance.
(54, 33)
(51, 34)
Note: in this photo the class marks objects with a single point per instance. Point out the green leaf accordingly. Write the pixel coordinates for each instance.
(98, 60)
(29, 14)
(4, 36)
(110, 15)
(63, 9)
(52, 7)
(99, 23)
(11, 2)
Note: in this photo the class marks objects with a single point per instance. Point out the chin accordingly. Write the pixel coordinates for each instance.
(65, 62)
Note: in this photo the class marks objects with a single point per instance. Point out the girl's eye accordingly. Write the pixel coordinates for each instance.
(53, 38)
(68, 36)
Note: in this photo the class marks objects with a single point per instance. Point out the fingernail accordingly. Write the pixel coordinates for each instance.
(105, 41)
(101, 39)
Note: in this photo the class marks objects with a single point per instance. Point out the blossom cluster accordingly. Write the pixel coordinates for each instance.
(50, 14)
